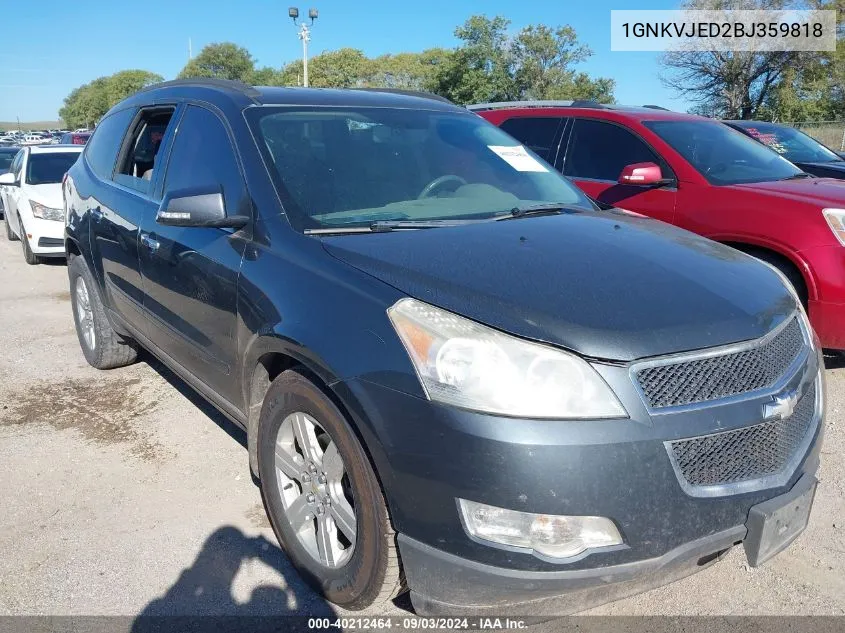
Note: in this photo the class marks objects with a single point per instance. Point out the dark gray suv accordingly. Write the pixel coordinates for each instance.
(456, 375)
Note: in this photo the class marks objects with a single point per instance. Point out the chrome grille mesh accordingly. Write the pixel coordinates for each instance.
(711, 378)
(748, 453)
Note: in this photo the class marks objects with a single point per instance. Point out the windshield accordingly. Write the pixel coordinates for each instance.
(6, 159)
(45, 169)
(791, 143)
(721, 154)
(348, 167)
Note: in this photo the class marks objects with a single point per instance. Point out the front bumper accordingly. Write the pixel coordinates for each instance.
(46, 237)
(443, 584)
(429, 455)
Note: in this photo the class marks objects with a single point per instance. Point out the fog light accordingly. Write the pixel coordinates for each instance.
(551, 535)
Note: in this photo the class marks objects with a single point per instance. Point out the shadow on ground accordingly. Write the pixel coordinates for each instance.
(204, 589)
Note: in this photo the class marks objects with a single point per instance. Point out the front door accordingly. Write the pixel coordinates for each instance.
(190, 273)
(595, 155)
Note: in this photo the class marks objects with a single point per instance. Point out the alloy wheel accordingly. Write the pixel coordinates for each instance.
(315, 490)
(85, 315)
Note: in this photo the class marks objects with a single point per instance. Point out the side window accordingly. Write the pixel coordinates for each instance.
(138, 160)
(16, 165)
(536, 133)
(101, 152)
(600, 151)
(202, 155)
(21, 158)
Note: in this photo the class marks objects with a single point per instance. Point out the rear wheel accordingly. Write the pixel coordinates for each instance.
(28, 256)
(322, 496)
(102, 346)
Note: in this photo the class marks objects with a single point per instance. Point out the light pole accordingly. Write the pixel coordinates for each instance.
(305, 35)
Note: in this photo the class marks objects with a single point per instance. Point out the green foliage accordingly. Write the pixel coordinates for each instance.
(220, 61)
(87, 104)
(535, 64)
(489, 65)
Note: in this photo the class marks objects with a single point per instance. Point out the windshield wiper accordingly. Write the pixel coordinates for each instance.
(798, 176)
(537, 209)
(384, 226)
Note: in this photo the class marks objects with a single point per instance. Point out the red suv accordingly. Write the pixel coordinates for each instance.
(705, 177)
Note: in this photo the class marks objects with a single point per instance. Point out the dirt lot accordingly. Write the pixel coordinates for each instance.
(124, 493)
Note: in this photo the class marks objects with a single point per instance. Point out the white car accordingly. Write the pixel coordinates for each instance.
(32, 139)
(32, 199)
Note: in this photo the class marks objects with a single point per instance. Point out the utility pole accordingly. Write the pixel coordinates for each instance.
(304, 34)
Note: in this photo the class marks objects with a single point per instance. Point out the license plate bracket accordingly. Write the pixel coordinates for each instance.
(774, 524)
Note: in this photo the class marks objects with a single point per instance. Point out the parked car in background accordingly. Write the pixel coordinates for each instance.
(75, 138)
(794, 145)
(7, 155)
(32, 198)
(32, 139)
(703, 176)
(522, 396)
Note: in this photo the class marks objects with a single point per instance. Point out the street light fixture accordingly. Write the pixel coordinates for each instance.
(304, 35)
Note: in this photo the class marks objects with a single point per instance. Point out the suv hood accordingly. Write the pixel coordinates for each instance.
(823, 191)
(604, 284)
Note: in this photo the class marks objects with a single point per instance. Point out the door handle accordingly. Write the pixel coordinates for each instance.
(97, 214)
(149, 242)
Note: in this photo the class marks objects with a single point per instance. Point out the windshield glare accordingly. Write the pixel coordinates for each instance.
(721, 154)
(47, 169)
(347, 167)
(791, 143)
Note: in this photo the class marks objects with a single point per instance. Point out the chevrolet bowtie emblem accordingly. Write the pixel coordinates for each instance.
(782, 407)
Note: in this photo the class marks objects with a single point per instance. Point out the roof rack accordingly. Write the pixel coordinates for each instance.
(657, 107)
(410, 93)
(577, 103)
(208, 82)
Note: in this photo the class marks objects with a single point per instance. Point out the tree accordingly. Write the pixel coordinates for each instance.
(537, 63)
(127, 82)
(732, 84)
(221, 61)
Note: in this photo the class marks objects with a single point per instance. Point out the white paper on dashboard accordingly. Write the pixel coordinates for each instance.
(517, 157)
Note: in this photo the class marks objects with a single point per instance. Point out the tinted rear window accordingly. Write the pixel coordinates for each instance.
(101, 152)
(45, 169)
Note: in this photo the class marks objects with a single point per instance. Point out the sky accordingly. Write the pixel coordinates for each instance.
(57, 46)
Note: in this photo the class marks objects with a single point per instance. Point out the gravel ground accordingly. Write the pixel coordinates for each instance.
(124, 493)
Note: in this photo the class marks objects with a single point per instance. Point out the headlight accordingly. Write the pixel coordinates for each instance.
(836, 221)
(468, 365)
(46, 213)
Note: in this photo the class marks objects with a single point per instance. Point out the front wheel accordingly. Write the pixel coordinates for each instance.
(322, 496)
(9, 235)
(28, 256)
(102, 346)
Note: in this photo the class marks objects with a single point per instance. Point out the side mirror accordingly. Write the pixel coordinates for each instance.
(8, 179)
(642, 174)
(202, 207)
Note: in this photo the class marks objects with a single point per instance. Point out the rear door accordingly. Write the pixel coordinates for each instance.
(595, 154)
(191, 273)
(117, 206)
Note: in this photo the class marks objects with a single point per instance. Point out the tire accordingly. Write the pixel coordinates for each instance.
(370, 572)
(787, 268)
(28, 256)
(9, 235)
(108, 349)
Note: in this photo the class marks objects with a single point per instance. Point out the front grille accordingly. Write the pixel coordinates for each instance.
(749, 453)
(714, 377)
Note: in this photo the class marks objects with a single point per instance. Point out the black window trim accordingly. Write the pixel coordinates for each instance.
(673, 186)
(87, 162)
